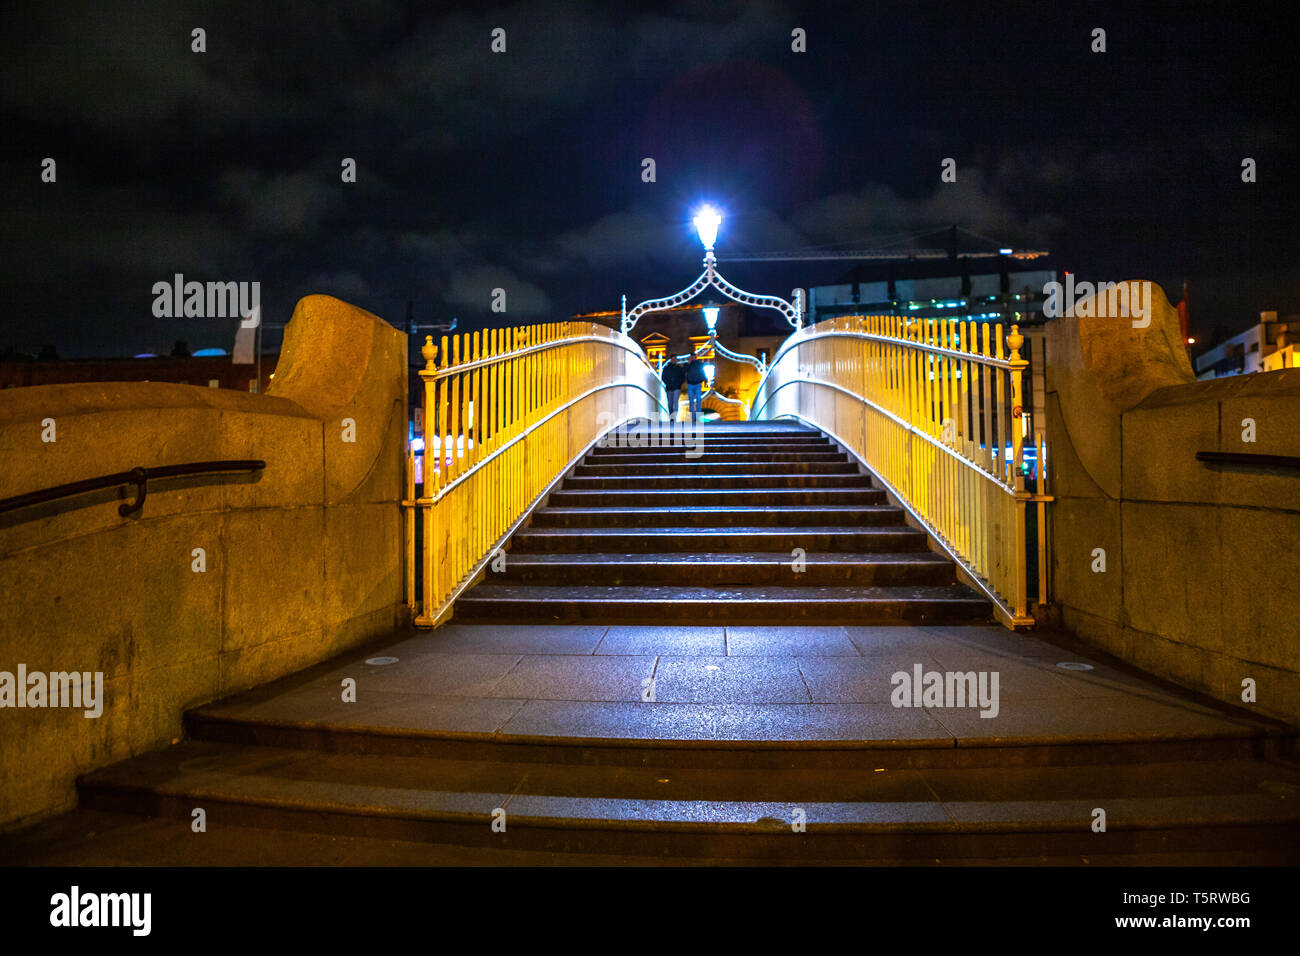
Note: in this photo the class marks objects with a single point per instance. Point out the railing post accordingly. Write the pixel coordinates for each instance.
(1018, 365)
(429, 598)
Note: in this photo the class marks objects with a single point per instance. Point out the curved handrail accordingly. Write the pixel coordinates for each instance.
(810, 332)
(513, 399)
(713, 392)
(620, 340)
(940, 418)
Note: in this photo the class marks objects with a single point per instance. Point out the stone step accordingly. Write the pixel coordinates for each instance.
(715, 447)
(100, 838)
(692, 468)
(735, 479)
(709, 813)
(664, 498)
(749, 538)
(679, 436)
(725, 568)
(717, 516)
(706, 456)
(737, 604)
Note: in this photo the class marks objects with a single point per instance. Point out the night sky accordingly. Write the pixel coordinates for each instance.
(522, 170)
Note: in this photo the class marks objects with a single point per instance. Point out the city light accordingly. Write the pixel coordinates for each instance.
(707, 221)
(711, 317)
(709, 371)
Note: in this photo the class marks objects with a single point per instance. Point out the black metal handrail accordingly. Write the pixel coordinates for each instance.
(1248, 458)
(136, 476)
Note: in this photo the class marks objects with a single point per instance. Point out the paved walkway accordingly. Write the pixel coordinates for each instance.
(747, 724)
(758, 684)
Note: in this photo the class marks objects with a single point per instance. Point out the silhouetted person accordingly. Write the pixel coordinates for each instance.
(673, 377)
(695, 378)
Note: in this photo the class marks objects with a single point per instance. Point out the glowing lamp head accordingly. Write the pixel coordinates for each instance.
(709, 371)
(707, 221)
(711, 317)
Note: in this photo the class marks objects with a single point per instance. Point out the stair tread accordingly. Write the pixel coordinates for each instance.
(688, 463)
(726, 557)
(728, 530)
(720, 475)
(615, 510)
(740, 593)
(738, 492)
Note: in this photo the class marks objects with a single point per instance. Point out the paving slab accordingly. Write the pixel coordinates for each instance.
(516, 638)
(449, 674)
(866, 680)
(729, 680)
(572, 677)
(789, 641)
(727, 722)
(677, 640)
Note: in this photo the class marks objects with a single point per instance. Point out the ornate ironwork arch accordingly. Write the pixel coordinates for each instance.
(793, 312)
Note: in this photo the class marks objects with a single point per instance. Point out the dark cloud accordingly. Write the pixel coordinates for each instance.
(521, 171)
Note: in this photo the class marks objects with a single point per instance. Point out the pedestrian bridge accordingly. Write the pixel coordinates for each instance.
(770, 579)
(877, 481)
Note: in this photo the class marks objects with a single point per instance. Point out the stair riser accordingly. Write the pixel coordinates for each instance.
(776, 542)
(751, 611)
(776, 842)
(677, 518)
(732, 480)
(716, 448)
(713, 497)
(830, 757)
(690, 458)
(678, 439)
(692, 468)
(705, 575)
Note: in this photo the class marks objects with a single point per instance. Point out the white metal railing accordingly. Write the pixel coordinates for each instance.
(933, 407)
(506, 411)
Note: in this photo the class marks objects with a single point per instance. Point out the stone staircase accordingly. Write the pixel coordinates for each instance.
(439, 744)
(770, 735)
(737, 523)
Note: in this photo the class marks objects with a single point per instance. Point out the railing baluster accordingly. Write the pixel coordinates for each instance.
(912, 377)
(504, 412)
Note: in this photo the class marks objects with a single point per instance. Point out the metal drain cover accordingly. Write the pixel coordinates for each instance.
(380, 661)
(1074, 666)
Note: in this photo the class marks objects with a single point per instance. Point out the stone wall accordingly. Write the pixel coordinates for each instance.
(302, 561)
(1201, 561)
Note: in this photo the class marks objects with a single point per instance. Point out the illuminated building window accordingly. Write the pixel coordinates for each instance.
(700, 340)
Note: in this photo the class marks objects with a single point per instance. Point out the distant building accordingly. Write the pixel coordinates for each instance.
(1264, 347)
(1009, 297)
(202, 370)
(681, 330)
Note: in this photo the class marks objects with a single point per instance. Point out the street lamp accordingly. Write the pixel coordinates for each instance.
(711, 317)
(707, 221)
